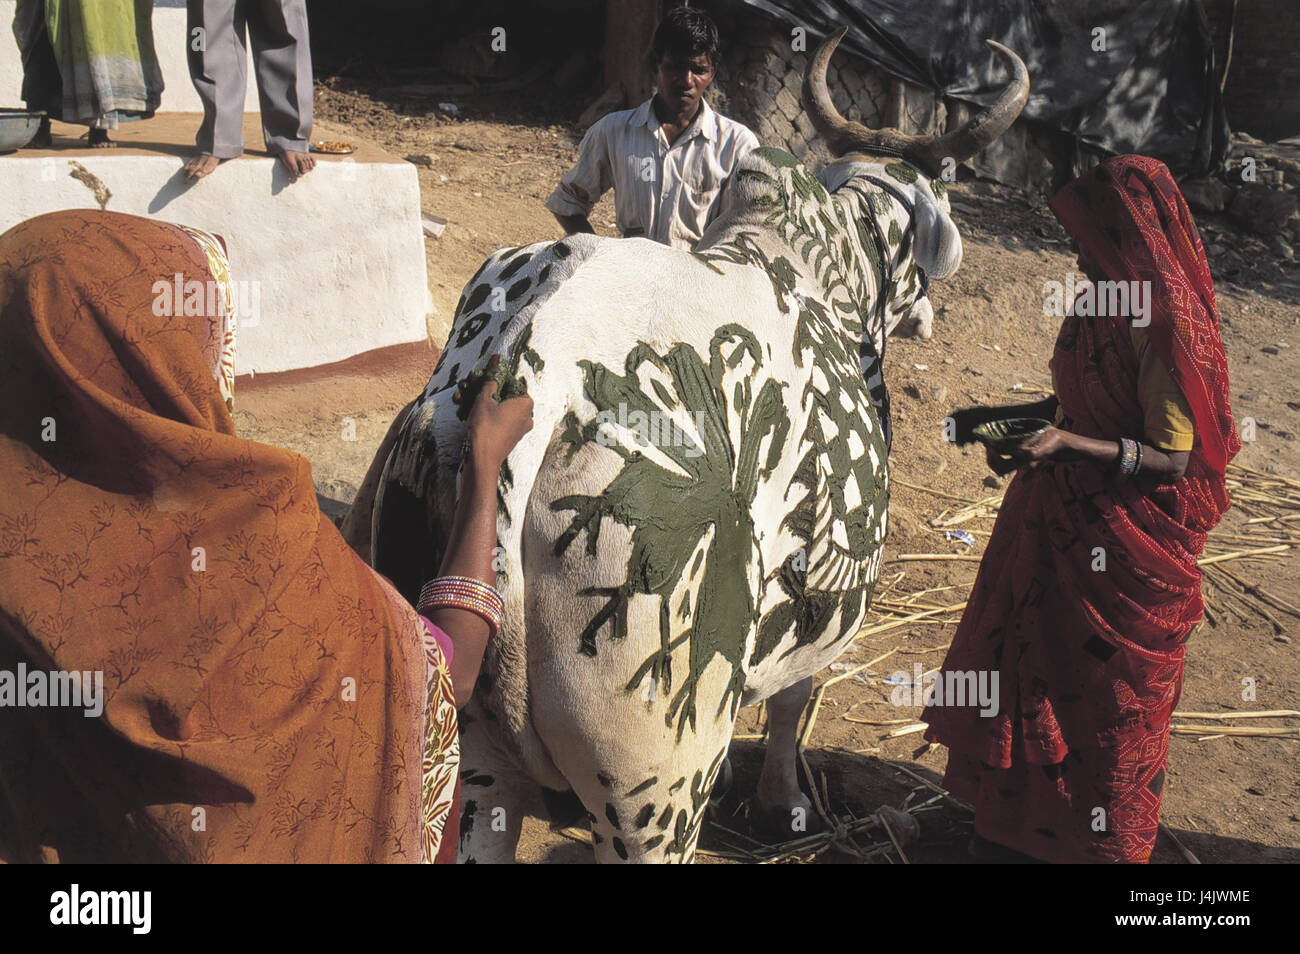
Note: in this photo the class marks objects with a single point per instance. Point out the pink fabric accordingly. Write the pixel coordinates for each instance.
(441, 638)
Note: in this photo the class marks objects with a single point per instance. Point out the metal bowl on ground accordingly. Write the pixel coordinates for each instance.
(18, 128)
(1009, 433)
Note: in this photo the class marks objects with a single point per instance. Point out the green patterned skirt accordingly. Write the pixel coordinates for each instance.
(89, 61)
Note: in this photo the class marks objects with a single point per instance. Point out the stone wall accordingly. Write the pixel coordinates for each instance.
(1262, 95)
(759, 84)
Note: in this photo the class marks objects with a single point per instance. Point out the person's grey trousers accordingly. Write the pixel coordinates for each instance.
(217, 56)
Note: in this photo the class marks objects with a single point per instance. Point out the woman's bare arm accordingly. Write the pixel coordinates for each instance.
(1056, 444)
(494, 429)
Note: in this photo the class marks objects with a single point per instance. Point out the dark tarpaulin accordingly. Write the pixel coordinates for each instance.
(1154, 90)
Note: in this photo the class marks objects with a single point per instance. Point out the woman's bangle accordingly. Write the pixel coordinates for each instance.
(1130, 458)
(463, 593)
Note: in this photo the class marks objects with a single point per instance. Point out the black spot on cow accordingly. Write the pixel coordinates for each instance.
(604, 780)
(517, 289)
(652, 843)
(561, 250)
(471, 329)
(666, 817)
(643, 817)
(518, 262)
(475, 298)
(612, 814)
(472, 777)
(651, 781)
(620, 849)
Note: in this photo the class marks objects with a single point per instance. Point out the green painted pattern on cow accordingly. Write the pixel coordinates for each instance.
(673, 514)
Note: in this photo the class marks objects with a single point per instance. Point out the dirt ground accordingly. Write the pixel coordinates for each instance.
(1228, 799)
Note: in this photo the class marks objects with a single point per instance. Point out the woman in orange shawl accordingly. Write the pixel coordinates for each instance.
(265, 695)
(1089, 587)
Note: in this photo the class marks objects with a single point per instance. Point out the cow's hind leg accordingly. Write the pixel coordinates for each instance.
(494, 793)
(655, 818)
(785, 809)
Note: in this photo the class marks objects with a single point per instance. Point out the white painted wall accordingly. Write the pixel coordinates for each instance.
(338, 257)
(169, 38)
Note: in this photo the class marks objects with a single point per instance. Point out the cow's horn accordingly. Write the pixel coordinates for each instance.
(844, 136)
(988, 124)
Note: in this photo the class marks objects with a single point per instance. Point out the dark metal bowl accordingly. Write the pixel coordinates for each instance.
(1009, 433)
(18, 128)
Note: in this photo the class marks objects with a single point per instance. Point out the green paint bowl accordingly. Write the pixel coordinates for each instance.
(1009, 433)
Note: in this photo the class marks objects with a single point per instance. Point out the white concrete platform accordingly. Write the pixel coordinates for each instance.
(169, 40)
(336, 260)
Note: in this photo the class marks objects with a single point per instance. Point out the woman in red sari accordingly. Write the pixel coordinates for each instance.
(1089, 587)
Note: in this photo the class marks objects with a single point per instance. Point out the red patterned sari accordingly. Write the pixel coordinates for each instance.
(1090, 653)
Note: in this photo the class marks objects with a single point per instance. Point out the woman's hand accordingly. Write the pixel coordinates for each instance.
(1052, 444)
(965, 419)
(998, 463)
(495, 427)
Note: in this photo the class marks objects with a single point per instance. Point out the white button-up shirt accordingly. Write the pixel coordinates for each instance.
(666, 193)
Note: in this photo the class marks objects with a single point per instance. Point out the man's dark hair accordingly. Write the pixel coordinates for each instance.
(686, 32)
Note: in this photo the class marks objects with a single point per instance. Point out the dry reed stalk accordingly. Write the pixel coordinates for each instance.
(812, 788)
(1260, 592)
(909, 730)
(884, 823)
(930, 490)
(821, 691)
(1256, 714)
(903, 621)
(1186, 852)
(1264, 732)
(1256, 606)
(1240, 554)
(963, 805)
(947, 557)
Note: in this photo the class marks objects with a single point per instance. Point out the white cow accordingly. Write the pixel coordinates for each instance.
(696, 521)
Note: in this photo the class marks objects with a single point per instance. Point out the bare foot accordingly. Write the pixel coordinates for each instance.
(199, 166)
(298, 163)
(99, 139)
(44, 139)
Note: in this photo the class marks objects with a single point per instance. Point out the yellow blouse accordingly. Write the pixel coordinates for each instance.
(1167, 419)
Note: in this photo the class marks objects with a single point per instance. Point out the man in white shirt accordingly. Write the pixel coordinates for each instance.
(668, 159)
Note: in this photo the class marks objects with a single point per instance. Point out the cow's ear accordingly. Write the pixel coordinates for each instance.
(938, 243)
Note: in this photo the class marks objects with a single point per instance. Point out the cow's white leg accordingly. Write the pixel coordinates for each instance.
(785, 807)
(494, 792)
(641, 815)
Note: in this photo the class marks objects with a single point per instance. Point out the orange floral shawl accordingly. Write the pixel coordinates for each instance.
(264, 691)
